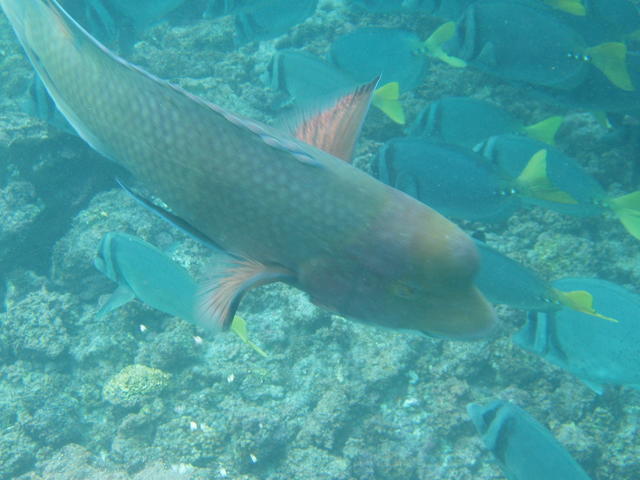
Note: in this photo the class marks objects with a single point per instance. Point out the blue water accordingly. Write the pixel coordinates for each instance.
(137, 394)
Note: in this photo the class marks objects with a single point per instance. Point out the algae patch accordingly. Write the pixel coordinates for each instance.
(134, 385)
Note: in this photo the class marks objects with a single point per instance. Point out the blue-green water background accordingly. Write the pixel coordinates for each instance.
(334, 399)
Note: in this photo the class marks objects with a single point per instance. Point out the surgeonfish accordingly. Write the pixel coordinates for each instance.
(39, 104)
(446, 9)
(522, 41)
(265, 19)
(524, 449)
(467, 121)
(571, 189)
(391, 52)
(144, 272)
(280, 208)
(309, 80)
(598, 353)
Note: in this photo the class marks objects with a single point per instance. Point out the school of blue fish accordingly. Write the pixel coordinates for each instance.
(464, 157)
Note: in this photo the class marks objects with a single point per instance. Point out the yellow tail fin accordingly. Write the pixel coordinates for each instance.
(611, 59)
(574, 7)
(546, 130)
(386, 99)
(627, 209)
(239, 327)
(534, 182)
(580, 301)
(433, 45)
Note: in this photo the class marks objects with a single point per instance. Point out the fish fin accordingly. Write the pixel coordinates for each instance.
(433, 45)
(123, 294)
(602, 118)
(335, 127)
(534, 182)
(386, 98)
(580, 301)
(239, 327)
(230, 280)
(546, 130)
(596, 387)
(627, 209)
(574, 7)
(487, 55)
(611, 59)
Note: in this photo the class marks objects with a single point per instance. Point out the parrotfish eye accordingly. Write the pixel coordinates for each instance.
(402, 290)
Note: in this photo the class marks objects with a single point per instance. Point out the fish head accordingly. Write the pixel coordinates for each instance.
(412, 270)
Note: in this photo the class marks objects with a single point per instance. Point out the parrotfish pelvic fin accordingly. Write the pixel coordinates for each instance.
(574, 7)
(335, 126)
(627, 209)
(433, 45)
(611, 59)
(545, 130)
(580, 301)
(239, 327)
(534, 182)
(231, 279)
(386, 98)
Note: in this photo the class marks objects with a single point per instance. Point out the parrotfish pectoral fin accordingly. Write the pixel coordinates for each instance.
(433, 45)
(239, 327)
(546, 130)
(611, 59)
(386, 98)
(580, 301)
(627, 209)
(123, 294)
(335, 126)
(574, 7)
(535, 183)
(230, 280)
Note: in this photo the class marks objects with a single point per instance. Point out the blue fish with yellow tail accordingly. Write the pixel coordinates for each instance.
(283, 209)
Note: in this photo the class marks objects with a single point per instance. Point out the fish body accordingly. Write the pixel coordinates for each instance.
(262, 20)
(144, 272)
(282, 209)
(598, 352)
(467, 121)
(524, 449)
(370, 51)
(456, 181)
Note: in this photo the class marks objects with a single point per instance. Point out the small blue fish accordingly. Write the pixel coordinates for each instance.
(467, 121)
(599, 353)
(370, 51)
(524, 449)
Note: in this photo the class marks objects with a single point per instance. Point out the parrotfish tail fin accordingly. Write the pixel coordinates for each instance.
(386, 98)
(433, 45)
(580, 301)
(611, 59)
(229, 281)
(574, 7)
(239, 327)
(535, 183)
(627, 209)
(334, 127)
(546, 130)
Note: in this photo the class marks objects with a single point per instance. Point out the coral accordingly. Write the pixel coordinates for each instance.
(134, 385)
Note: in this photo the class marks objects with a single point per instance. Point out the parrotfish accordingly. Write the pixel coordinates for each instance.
(522, 41)
(467, 121)
(598, 353)
(570, 190)
(524, 449)
(144, 272)
(393, 53)
(280, 208)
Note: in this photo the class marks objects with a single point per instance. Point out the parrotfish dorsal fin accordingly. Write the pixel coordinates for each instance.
(335, 127)
(433, 45)
(574, 7)
(546, 130)
(611, 59)
(627, 209)
(239, 327)
(230, 280)
(534, 181)
(580, 301)
(386, 98)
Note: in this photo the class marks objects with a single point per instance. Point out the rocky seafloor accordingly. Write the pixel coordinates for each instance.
(137, 394)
